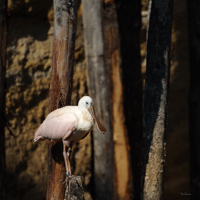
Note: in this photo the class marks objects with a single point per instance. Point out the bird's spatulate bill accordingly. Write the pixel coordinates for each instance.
(100, 127)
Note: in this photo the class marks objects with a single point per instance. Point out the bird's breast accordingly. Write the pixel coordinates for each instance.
(84, 125)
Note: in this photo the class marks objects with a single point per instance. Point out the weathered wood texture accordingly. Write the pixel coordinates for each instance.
(65, 16)
(74, 189)
(113, 63)
(104, 66)
(129, 23)
(155, 97)
(3, 33)
(194, 96)
(98, 89)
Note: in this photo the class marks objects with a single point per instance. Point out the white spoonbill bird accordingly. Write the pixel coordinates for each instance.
(69, 124)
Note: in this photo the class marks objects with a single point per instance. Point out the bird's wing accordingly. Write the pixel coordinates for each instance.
(57, 125)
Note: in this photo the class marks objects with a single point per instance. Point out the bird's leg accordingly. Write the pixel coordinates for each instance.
(66, 155)
(69, 173)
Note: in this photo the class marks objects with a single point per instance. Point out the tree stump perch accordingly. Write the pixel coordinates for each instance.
(74, 189)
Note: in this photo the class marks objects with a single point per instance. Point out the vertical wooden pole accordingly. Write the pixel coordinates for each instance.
(113, 62)
(155, 97)
(99, 91)
(194, 97)
(113, 176)
(65, 16)
(3, 34)
(129, 20)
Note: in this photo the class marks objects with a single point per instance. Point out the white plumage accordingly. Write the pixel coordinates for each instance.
(69, 124)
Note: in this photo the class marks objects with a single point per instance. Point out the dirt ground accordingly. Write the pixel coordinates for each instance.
(30, 36)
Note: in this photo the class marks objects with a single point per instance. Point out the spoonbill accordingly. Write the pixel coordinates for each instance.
(69, 124)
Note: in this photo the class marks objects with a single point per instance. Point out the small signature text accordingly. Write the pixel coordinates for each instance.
(185, 194)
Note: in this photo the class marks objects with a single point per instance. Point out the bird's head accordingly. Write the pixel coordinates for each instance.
(87, 103)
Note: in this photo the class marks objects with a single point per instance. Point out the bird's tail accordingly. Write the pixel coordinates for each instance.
(38, 138)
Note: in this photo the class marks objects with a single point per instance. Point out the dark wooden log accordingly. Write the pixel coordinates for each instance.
(129, 20)
(65, 17)
(194, 97)
(3, 34)
(113, 62)
(155, 97)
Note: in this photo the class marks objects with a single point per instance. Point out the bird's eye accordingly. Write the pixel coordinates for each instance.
(86, 103)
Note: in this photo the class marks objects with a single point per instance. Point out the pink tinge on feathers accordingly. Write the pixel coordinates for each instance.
(56, 128)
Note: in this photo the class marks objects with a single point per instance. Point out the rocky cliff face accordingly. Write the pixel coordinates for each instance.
(30, 36)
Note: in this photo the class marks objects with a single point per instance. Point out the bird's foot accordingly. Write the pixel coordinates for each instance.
(69, 175)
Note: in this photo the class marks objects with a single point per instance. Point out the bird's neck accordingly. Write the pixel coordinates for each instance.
(86, 114)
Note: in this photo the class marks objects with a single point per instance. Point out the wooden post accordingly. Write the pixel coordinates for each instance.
(155, 97)
(112, 170)
(113, 62)
(194, 97)
(99, 91)
(65, 16)
(129, 20)
(3, 34)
